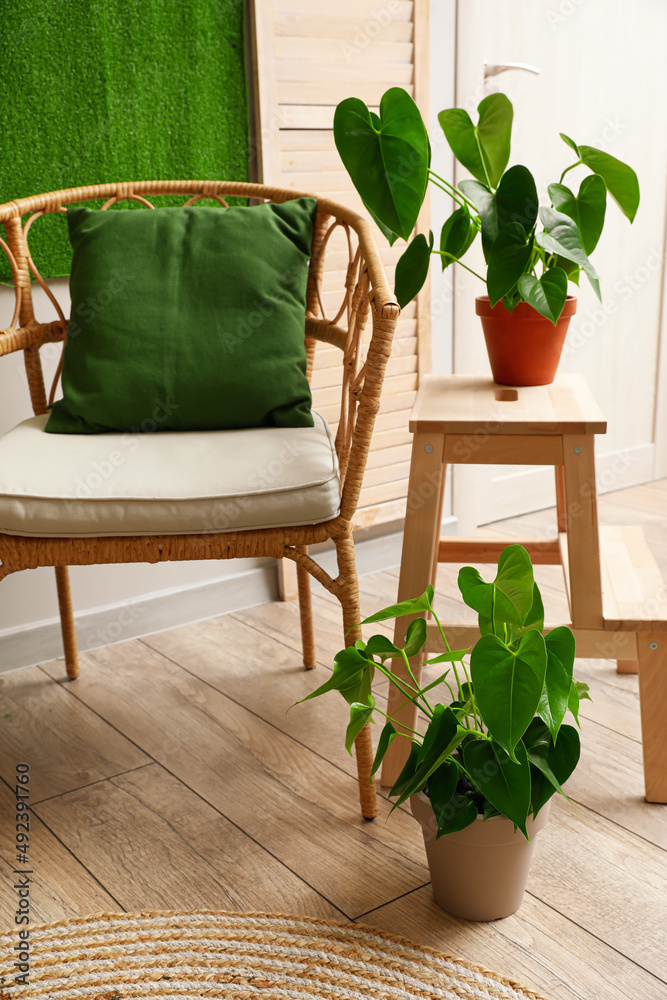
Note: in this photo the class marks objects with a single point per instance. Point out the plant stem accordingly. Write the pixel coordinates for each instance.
(427, 710)
(443, 253)
(567, 169)
(450, 189)
(403, 686)
(448, 648)
(402, 724)
(415, 681)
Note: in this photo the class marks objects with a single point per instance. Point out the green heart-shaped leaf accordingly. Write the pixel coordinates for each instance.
(535, 617)
(504, 782)
(578, 692)
(454, 656)
(440, 730)
(515, 201)
(380, 645)
(456, 236)
(508, 684)
(407, 772)
(386, 739)
(561, 236)
(387, 157)
(411, 607)
(412, 269)
(587, 210)
(510, 597)
(440, 740)
(621, 180)
(558, 682)
(352, 676)
(546, 294)
(484, 201)
(569, 142)
(360, 714)
(452, 811)
(507, 259)
(516, 198)
(415, 637)
(441, 787)
(551, 764)
(483, 149)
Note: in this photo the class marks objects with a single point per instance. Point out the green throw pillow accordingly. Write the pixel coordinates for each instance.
(187, 319)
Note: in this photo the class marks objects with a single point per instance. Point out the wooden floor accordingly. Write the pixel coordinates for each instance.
(170, 776)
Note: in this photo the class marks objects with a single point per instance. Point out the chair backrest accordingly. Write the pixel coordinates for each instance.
(365, 293)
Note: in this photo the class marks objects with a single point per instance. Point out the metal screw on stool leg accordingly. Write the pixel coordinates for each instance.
(653, 645)
(577, 450)
(428, 448)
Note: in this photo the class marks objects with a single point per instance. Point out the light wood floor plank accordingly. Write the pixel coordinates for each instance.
(66, 744)
(606, 880)
(609, 779)
(538, 946)
(128, 829)
(266, 677)
(60, 885)
(296, 805)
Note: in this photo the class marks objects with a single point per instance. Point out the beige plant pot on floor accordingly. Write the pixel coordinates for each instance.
(479, 873)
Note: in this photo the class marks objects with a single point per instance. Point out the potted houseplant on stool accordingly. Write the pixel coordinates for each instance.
(531, 252)
(494, 749)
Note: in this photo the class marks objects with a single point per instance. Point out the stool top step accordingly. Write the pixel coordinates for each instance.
(465, 404)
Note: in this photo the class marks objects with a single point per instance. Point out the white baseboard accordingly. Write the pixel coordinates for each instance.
(40, 642)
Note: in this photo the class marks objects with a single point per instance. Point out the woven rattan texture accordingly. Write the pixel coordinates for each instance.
(194, 955)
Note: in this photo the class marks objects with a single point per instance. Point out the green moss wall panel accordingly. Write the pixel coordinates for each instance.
(117, 90)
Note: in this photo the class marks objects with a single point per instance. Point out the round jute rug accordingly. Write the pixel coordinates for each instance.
(188, 956)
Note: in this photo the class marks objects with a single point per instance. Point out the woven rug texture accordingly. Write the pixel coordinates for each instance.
(168, 955)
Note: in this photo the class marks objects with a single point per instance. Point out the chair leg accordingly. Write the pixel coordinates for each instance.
(348, 595)
(67, 622)
(306, 613)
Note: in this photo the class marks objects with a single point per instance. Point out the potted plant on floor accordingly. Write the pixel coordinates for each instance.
(494, 749)
(531, 252)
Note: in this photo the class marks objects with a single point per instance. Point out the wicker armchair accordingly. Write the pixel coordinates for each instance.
(363, 360)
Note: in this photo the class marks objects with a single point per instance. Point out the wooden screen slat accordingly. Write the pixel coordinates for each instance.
(342, 28)
(342, 51)
(321, 54)
(354, 11)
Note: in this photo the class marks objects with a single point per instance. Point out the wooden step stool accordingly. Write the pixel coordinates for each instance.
(617, 599)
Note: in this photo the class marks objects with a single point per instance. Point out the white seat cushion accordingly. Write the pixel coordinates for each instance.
(167, 483)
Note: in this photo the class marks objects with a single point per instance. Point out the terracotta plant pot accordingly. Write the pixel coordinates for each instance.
(524, 347)
(479, 873)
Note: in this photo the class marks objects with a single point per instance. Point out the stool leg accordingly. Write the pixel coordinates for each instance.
(67, 622)
(652, 652)
(583, 543)
(561, 504)
(627, 666)
(419, 558)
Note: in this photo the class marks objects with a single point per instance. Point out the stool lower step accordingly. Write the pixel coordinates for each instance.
(634, 595)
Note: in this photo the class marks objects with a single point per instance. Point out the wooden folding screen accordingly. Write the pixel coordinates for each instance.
(308, 55)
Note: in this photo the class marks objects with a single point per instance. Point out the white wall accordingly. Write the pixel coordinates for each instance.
(602, 81)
